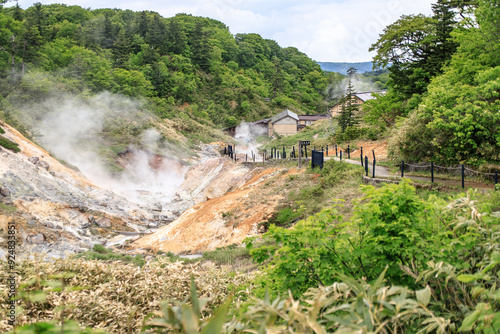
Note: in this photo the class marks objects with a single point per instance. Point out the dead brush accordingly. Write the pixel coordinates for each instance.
(116, 296)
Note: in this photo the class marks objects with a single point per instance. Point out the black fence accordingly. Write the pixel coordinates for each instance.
(459, 170)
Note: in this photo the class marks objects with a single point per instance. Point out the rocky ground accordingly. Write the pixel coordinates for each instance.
(58, 211)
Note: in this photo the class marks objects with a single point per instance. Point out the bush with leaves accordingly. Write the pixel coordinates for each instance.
(391, 227)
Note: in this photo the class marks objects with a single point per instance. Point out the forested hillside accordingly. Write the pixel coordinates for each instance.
(190, 62)
(444, 84)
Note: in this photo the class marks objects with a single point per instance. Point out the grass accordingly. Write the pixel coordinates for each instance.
(229, 255)
(99, 252)
(10, 145)
(7, 209)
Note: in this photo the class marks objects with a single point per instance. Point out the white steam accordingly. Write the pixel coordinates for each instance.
(360, 83)
(246, 135)
(75, 131)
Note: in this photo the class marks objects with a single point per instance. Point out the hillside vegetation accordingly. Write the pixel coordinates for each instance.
(443, 98)
(393, 258)
(183, 61)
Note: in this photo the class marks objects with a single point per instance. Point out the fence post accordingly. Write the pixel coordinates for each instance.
(361, 157)
(326, 150)
(463, 176)
(366, 165)
(246, 156)
(336, 151)
(348, 152)
(340, 155)
(432, 172)
(300, 151)
(402, 168)
(496, 177)
(373, 168)
(305, 149)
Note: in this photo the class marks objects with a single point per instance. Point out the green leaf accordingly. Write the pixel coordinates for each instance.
(469, 321)
(466, 278)
(424, 296)
(194, 298)
(217, 321)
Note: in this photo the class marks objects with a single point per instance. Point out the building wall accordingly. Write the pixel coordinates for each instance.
(338, 107)
(285, 129)
(270, 131)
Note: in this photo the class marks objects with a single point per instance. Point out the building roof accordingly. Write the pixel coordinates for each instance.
(312, 117)
(261, 121)
(365, 96)
(283, 114)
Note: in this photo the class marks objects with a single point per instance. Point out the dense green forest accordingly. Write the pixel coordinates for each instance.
(170, 62)
(444, 84)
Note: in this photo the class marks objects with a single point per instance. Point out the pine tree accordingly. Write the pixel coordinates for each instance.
(177, 41)
(201, 48)
(347, 116)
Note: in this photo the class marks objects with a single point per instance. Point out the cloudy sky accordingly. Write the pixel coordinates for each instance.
(326, 30)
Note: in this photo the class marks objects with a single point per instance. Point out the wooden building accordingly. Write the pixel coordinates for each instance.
(285, 123)
(305, 120)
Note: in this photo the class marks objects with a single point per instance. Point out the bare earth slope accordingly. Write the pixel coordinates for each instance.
(223, 220)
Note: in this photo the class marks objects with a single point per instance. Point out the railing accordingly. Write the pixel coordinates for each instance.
(461, 170)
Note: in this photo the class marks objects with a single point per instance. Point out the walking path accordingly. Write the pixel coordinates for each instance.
(381, 171)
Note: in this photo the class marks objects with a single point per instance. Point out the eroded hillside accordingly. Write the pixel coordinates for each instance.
(223, 220)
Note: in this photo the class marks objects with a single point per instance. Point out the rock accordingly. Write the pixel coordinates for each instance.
(103, 223)
(262, 229)
(36, 239)
(5, 155)
(85, 226)
(43, 164)
(32, 223)
(33, 160)
(51, 225)
(85, 245)
(5, 192)
(92, 219)
(156, 207)
(52, 173)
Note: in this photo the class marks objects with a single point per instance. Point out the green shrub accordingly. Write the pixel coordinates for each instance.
(100, 249)
(99, 252)
(391, 227)
(350, 133)
(2, 131)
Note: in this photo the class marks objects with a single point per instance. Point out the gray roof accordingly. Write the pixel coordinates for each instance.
(365, 96)
(283, 114)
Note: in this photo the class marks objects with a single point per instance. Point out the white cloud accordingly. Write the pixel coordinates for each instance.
(326, 30)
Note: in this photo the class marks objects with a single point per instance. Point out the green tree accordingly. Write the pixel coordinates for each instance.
(200, 47)
(348, 114)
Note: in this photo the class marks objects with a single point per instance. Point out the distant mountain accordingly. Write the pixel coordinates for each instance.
(343, 67)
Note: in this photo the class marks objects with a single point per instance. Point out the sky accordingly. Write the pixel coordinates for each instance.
(325, 30)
